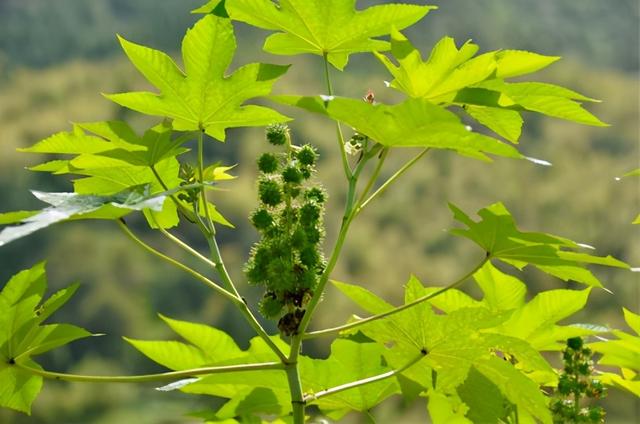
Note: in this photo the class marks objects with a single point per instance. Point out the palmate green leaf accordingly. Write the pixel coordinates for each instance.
(445, 409)
(498, 235)
(484, 399)
(73, 206)
(325, 27)
(22, 336)
(207, 346)
(453, 76)
(465, 337)
(534, 322)
(624, 353)
(118, 159)
(202, 98)
(349, 361)
(516, 387)
(19, 388)
(216, 7)
(412, 123)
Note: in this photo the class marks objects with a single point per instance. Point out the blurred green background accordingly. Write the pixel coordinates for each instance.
(56, 57)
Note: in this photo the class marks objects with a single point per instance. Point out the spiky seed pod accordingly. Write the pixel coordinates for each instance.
(307, 155)
(309, 214)
(287, 260)
(291, 175)
(270, 305)
(315, 194)
(306, 172)
(262, 219)
(268, 163)
(269, 192)
(277, 134)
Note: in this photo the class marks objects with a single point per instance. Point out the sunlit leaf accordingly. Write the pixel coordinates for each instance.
(202, 98)
(412, 123)
(498, 235)
(22, 336)
(325, 27)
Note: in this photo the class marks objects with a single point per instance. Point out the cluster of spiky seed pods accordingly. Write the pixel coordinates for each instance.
(576, 382)
(287, 260)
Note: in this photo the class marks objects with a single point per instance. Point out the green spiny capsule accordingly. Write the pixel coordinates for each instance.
(262, 219)
(575, 343)
(309, 214)
(315, 194)
(309, 257)
(291, 175)
(268, 163)
(307, 155)
(270, 193)
(270, 305)
(313, 234)
(277, 134)
(305, 171)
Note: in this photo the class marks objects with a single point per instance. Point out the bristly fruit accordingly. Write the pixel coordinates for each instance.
(277, 134)
(287, 260)
(576, 382)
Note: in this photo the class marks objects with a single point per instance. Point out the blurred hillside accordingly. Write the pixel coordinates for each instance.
(56, 57)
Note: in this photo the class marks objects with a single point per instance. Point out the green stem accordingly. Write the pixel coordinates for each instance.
(347, 218)
(152, 377)
(185, 246)
(238, 301)
(364, 381)
(392, 179)
(374, 176)
(340, 136)
(338, 329)
(203, 192)
(297, 397)
(177, 264)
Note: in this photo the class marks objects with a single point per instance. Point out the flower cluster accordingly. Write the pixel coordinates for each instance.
(287, 260)
(576, 382)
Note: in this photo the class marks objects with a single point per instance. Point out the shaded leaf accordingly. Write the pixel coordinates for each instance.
(64, 206)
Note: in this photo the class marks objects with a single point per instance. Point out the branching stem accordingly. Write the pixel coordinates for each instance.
(364, 381)
(392, 179)
(152, 377)
(340, 136)
(338, 329)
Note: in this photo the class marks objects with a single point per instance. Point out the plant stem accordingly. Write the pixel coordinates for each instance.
(236, 300)
(340, 136)
(297, 397)
(364, 381)
(185, 246)
(391, 179)
(177, 264)
(209, 223)
(374, 176)
(324, 278)
(152, 377)
(338, 329)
